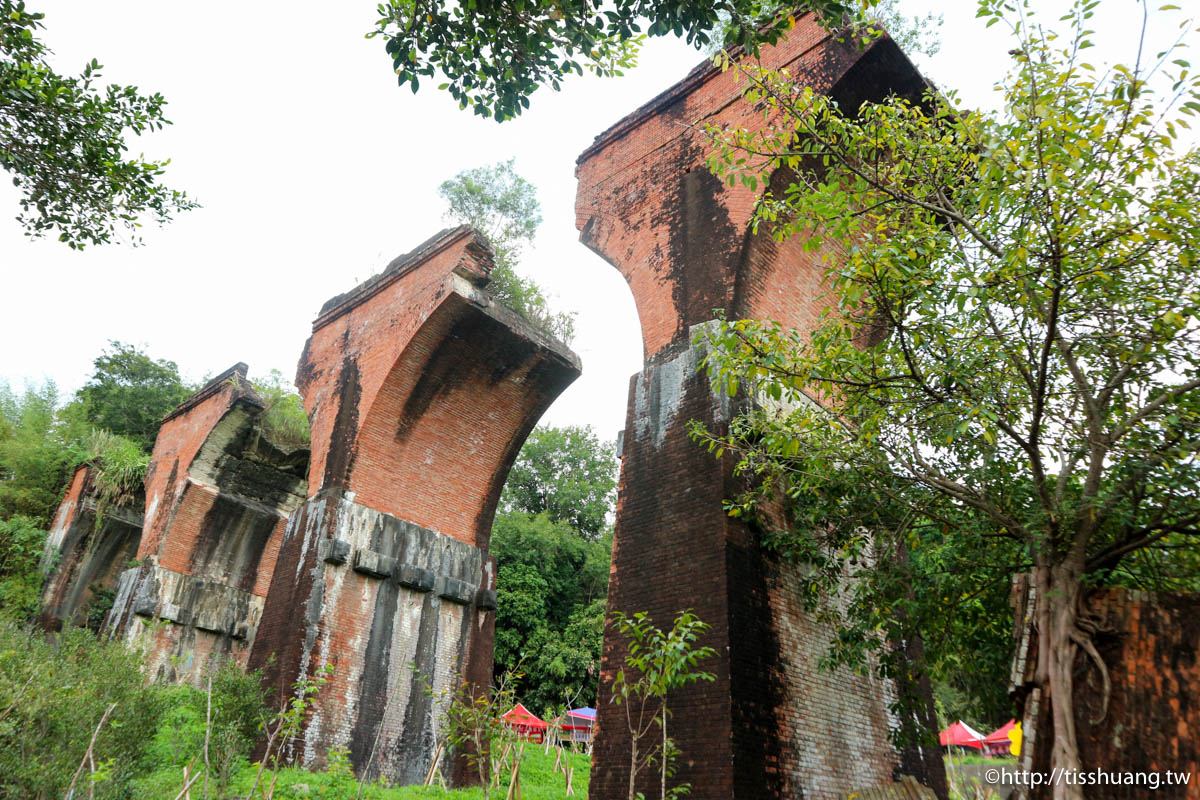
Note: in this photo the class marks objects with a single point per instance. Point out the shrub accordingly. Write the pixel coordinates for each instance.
(237, 712)
(54, 691)
(21, 544)
(284, 421)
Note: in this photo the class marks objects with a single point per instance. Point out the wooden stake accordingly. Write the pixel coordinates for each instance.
(207, 731)
(433, 768)
(87, 756)
(514, 782)
(184, 791)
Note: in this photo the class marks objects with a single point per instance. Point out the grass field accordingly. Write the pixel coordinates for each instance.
(539, 781)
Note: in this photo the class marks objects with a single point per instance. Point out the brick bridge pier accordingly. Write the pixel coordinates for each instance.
(772, 725)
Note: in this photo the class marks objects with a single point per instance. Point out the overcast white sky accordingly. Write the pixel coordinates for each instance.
(315, 170)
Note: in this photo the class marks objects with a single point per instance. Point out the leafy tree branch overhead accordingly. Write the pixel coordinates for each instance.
(63, 139)
(1012, 359)
(492, 55)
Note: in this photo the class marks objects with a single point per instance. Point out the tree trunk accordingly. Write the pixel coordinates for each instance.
(663, 755)
(1058, 589)
(633, 770)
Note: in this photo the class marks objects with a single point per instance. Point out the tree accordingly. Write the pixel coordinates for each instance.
(553, 558)
(22, 541)
(129, 393)
(912, 34)
(1012, 359)
(35, 458)
(494, 55)
(566, 473)
(551, 586)
(657, 662)
(64, 140)
(504, 207)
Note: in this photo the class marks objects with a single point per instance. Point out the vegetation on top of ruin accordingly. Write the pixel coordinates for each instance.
(283, 420)
(503, 206)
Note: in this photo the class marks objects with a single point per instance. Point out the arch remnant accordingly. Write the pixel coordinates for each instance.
(85, 552)
(218, 495)
(772, 724)
(420, 391)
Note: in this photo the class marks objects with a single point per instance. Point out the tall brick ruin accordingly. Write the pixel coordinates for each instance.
(368, 553)
(86, 550)
(772, 724)
(420, 390)
(218, 494)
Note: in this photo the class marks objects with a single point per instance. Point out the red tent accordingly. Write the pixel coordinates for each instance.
(521, 720)
(961, 735)
(997, 742)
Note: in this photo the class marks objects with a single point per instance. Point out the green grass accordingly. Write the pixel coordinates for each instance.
(995, 761)
(539, 781)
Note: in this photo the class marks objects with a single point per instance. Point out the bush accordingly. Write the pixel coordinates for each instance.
(284, 421)
(53, 692)
(238, 708)
(21, 544)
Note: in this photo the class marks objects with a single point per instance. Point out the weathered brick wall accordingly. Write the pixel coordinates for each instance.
(219, 497)
(79, 559)
(420, 391)
(771, 724)
(1150, 642)
(182, 434)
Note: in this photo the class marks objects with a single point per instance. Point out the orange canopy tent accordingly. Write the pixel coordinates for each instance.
(998, 742)
(525, 723)
(961, 735)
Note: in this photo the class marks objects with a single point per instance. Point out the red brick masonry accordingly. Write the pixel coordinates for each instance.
(420, 390)
(1150, 642)
(772, 725)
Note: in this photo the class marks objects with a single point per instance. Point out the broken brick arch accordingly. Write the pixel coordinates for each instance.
(772, 724)
(420, 391)
(217, 497)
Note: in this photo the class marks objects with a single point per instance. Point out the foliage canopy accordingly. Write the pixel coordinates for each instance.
(494, 55)
(567, 474)
(129, 393)
(36, 453)
(553, 559)
(63, 138)
(1008, 375)
(551, 586)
